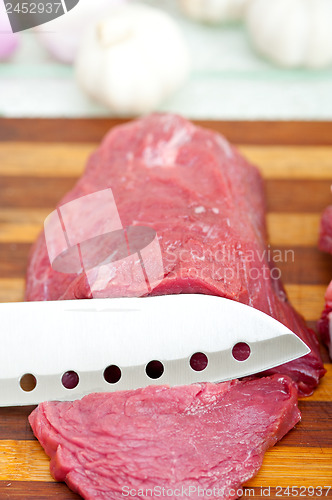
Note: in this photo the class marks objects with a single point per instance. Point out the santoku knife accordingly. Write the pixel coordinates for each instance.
(125, 343)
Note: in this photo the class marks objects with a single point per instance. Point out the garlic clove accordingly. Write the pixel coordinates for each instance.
(319, 52)
(62, 36)
(132, 60)
(279, 31)
(114, 31)
(292, 33)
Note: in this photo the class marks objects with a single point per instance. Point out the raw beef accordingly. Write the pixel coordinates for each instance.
(206, 203)
(207, 436)
(325, 244)
(325, 237)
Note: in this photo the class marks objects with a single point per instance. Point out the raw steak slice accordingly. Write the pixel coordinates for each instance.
(206, 203)
(199, 436)
(325, 244)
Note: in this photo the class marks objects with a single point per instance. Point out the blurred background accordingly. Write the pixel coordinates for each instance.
(241, 65)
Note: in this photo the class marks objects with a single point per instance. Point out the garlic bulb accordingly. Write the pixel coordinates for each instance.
(132, 60)
(62, 36)
(214, 11)
(292, 33)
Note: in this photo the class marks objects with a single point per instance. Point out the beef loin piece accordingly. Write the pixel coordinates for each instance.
(199, 436)
(206, 203)
(325, 244)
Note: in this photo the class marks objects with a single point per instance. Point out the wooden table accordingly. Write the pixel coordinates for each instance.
(41, 159)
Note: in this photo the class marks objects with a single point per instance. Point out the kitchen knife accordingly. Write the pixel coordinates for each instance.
(125, 343)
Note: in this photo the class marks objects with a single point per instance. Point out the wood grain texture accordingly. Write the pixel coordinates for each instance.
(14, 423)
(11, 289)
(32, 490)
(290, 230)
(239, 132)
(43, 191)
(44, 159)
(307, 266)
(40, 161)
(68, 160)
(26, 461)
(315, 428)
(13, 260)
(308, 300)
(282, 466)
(23, 461)
(297, 195)
(291, 162)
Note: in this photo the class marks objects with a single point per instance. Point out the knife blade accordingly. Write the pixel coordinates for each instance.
(84, 338)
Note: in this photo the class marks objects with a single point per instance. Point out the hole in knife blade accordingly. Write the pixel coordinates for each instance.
(112, 374)
(241, 351)
(28, 382)
(70, 380)
(154, 369)
(199, 361)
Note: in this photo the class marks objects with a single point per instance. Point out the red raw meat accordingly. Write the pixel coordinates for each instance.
(325, 237)
(206, 203)
(200, 436)
(325, 244)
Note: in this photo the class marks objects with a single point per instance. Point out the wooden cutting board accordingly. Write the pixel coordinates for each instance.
(41, 159)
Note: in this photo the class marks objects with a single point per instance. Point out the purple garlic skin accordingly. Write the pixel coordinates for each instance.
(9, 41)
